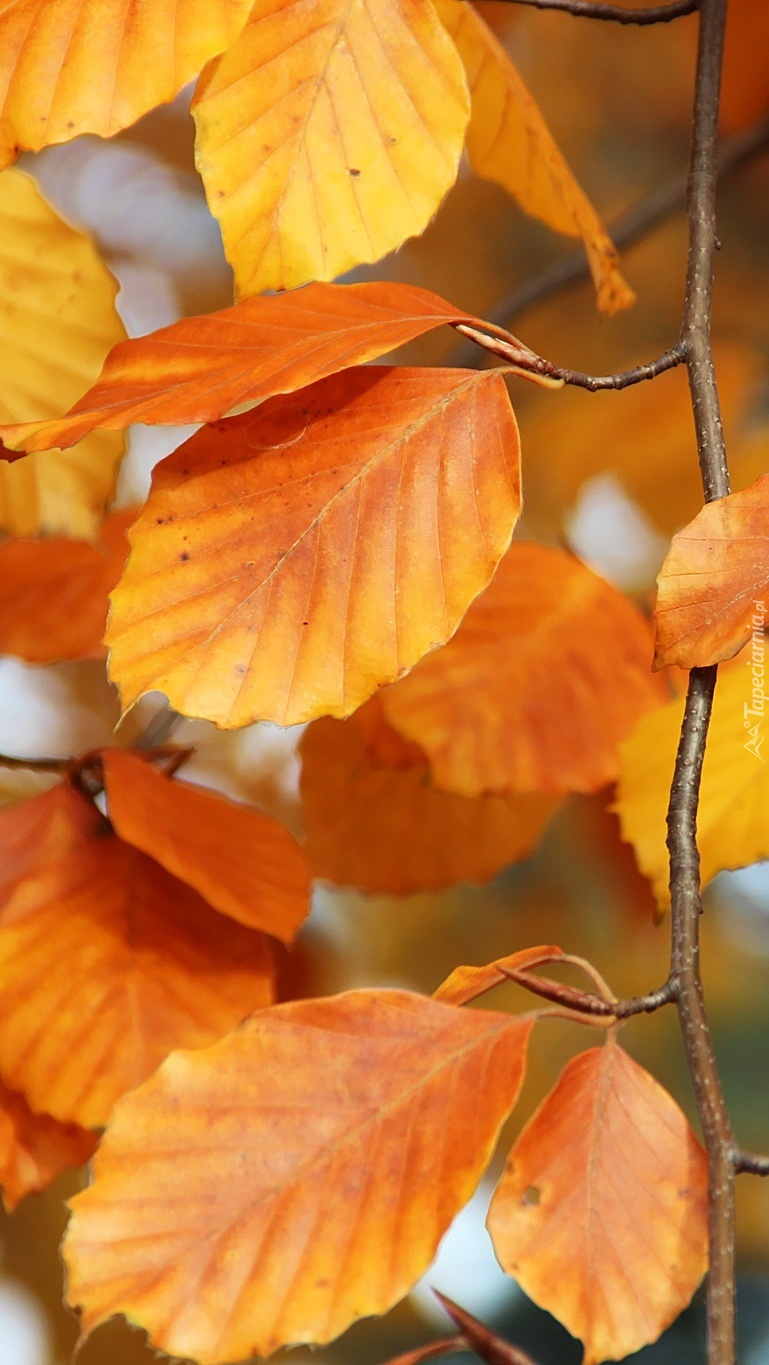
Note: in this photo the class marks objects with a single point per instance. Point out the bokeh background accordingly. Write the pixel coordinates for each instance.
(610, 475)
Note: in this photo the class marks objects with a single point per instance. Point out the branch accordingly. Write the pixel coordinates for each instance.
(37, 765)
(585, 1002)
(527, 363)
(750, 1162)
(685, 893)
(632, 227)
(586, 9)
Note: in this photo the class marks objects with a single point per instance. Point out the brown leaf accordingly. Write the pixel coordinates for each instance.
(291, 1179)
(148, 966)
(383, 826)
(54, 594)
(199, 369)
(714, 583)
(242, 862)
(601, 1215)
(548, 672)
(35, 1148)
(291, 560)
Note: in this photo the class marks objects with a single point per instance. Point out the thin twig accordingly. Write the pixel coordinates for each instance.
(586, 9)
(532, 366)
(632, 227)
(490, 1347)
(585, 1002)
(37, 765)
(750, 1162)
(685, 893)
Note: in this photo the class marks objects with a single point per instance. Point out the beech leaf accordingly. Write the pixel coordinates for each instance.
(242, 862)
(294, 1177)
(328, 134)
(150, 967)
(732, 828)
(291, 560)
(54, 594)
(57, 323)
(714, 583)
(384, 827)
(42, 830)
(35, 1149)
(200, 368)
(95, 66)
(509, 142)
(549, 670)
(601, 1214)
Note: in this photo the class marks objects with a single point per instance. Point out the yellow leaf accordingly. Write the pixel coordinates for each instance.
(328, 134)
(509, 142)
(57, 323)
(95, 66)
(732, 826)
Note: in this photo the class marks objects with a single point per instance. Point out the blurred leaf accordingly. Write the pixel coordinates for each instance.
(601, 1215)
(549, 670)
(54, 594)
(35, 1149)
(732, 829)
(289, 1179)
(387, 828)
(57, 323)
(467, 983)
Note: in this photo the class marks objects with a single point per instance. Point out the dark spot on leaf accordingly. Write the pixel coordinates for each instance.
(353, 170)
(531, 1196)
(240, 668)
(184, 555)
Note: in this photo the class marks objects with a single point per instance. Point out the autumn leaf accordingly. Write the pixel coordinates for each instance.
(489, 709)
(57, 323)
(601, 1215)
(732, 829)
(42, 830)
(242, 862)
(292, 560)
(149, 967)
(54, 594)
(714, 581)
(387, 828)
(200, 368)
(509, 142)
(85, 66)
(291, 1172)
(328, 134)
(467, 983)
(35, 1149)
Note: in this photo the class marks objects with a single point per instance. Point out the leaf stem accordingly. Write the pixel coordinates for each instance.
(588, 9)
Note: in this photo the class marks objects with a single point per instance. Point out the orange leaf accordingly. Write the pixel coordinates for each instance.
(297, 1176)
(714, 581)
(241, 861)
(387, 828)
(199, 369)
(509, 142)
(86, 66)
(328, 134)
(467, 983)
(149, 967)
(54, 594)
(43, 829)
(291, 560)
(548, 672)
(601, 1214)
(34, 1148)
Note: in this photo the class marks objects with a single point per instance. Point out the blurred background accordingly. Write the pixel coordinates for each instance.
(610, 475)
